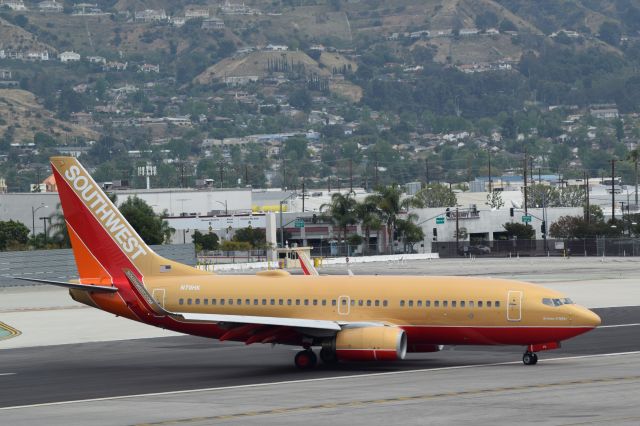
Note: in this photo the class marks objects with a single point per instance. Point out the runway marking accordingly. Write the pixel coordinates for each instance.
(318, 379)
(618, 325)
(423, 397)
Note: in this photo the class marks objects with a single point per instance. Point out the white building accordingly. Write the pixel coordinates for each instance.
(15, 5)
(50, 6)
(69, 56)
(213, 24)
(277, 47)
(150, 15)
(195, 13)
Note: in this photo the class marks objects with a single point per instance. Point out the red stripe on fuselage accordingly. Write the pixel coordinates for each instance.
(478, 335)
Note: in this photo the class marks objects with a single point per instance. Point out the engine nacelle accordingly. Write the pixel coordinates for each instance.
(424, 347)
(370, 344)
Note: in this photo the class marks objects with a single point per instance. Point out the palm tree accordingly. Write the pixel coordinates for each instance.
(340, 213)
(369, 216)
(60, 234)
(409, 231)
(635, 157)
(391, 204)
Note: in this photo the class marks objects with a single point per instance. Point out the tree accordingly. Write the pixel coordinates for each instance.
(370, 219)
(610, 32)
(494, 200)
(519, 230)
(151, 228)
(59, 232)
(256, 237)
(409, 232)
(340, 213)
(13, 235)
(634, 157)
(208, 241)
(390, 203)
(435, 195)
(301, 98)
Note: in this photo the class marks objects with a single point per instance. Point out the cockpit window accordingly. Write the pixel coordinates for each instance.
(557, 302)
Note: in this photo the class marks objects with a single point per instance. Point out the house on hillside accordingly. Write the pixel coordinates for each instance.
(69, 56)
(149, 68)
(96, 59)
(277, 47)
(85, 9)
(196, 12)
(37, 56)
(50, 6)
(605, 113)
(15, 5)
(213, 24)
(150, 15)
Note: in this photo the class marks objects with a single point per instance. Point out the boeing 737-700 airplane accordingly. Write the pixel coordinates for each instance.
(355, 318)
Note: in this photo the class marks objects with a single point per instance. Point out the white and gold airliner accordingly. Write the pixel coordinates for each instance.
(357, 318)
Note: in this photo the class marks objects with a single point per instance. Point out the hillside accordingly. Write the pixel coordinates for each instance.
(14, 38)
(22, 113)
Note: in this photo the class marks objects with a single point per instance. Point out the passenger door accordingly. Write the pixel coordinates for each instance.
(514, 308)
(344, 305)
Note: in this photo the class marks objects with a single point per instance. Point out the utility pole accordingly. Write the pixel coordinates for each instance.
(303, 194)
(539, 176)
(329, 184)
(376, 171)
(426, 170)
(457, 232)
(587, 213)
(221, 175)
(350, 175)
(525, 182)
(284, 173)
(613, 190)
(490, 183)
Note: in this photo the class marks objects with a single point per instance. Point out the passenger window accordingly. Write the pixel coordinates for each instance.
(315, 302)
(427, 303)
(436, 303)
(353, 302)
(289, 302)
(230, 301)
(344, 302)
(385, 303)
(213, 301)
(222, 301)
(205, 301)
(401, 303)
(324, 302)
(189, 301)
(411, 303)
(297, 301)
(368, 302)
(479, 303)
(419, 303)
(462, 303)
(445, 303)
(488, 303)
(497, 304)
(333, 302)
(360, 302)
(306, 302)
(453, 303)
(181, 301)
(264, 302)
(239, 301)
(377, 303)
(197, 301)
(247, 301)
(471, 303)
(280, 302)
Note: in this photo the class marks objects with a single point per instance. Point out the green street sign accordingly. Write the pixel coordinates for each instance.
(439, 220)
(299, 223)
(526, 219)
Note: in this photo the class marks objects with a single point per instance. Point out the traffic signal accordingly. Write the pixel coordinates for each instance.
(448, 212)
(543, 227)
(511, 212)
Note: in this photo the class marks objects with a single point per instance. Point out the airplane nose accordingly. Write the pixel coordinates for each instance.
(588, 318)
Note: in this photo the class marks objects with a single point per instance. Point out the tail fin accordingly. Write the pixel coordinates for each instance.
(103, 242)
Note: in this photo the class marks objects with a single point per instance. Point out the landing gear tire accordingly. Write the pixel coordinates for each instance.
(328, 356)
(529, 358)
(306, 360)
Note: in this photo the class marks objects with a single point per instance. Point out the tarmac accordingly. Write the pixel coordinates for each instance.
(87, 367)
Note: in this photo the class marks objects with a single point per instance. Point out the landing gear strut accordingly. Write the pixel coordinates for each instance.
(306, 360)
(328, 356)
(529, 358)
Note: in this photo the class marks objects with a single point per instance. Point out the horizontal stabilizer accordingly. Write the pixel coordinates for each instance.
(249, 319)
(85, 287)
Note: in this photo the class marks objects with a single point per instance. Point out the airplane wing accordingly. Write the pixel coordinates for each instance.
(75, 286)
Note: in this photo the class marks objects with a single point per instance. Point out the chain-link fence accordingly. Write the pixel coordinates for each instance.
(550, 247)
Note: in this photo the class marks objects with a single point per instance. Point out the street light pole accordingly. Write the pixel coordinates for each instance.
(33, 219)
(44, 220)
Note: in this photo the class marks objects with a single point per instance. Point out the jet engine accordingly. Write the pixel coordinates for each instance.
(377, 343)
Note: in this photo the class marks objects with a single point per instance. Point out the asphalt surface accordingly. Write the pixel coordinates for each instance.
(108, 369)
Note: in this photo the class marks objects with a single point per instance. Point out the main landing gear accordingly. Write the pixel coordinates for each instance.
(529, 358)
(306, 360)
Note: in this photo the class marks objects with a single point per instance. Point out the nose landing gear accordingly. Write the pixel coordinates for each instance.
(529, 358)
